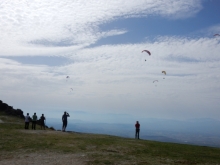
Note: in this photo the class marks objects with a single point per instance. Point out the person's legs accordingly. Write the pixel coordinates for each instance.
(27, 125)
(138, 131)
(41, 125)
(64, 125)
(33, 124)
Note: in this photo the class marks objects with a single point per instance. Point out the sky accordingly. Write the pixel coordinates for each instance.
(98, 45)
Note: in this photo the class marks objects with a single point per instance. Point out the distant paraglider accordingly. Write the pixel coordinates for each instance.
(147, 52)
(155, 82)
(164, 72)
(216, 35)
(67, 77)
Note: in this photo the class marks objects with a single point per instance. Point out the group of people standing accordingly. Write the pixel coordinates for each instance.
(64, 119)
(34, 118)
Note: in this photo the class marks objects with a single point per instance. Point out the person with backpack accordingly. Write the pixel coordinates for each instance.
(34, 120)
(42, 123)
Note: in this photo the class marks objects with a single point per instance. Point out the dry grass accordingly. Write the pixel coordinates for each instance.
(57, 147)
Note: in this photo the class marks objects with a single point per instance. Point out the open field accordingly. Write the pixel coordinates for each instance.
(19, 146)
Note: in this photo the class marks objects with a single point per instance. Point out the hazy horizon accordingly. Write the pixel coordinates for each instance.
(195, 131)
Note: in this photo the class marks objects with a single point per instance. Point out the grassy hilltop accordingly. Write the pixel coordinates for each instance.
(55, 147)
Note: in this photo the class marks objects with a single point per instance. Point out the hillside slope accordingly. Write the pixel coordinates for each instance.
(19, 146)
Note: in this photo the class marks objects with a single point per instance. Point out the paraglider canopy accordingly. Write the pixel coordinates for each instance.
(215, 35)
(67, 77)
(147, 52)
(155, 82)
(164, 72)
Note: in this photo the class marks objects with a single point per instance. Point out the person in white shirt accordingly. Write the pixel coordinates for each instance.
(27, 120)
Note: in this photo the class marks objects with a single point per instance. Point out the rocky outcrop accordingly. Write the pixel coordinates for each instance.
(9, 110)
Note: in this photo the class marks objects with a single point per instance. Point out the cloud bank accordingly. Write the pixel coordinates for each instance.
(30, 27)
(106, 78)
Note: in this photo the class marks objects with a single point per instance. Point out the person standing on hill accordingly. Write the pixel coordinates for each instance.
(64, 119)
(42, 119)
(27, 120)
(34, 120)
(137, 126)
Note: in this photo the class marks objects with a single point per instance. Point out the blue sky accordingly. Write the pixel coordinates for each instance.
(99, 44)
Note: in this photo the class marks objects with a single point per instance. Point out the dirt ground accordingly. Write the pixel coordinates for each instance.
(48, 158)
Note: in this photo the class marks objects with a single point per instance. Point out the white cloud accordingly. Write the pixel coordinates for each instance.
(210, 31)
(116, 77)
(214, 29)
(27, 26)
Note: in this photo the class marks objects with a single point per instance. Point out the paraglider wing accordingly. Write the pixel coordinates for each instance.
(216, 35)
(67, 77)
(147, 52)
(164, 72)
(155, 81)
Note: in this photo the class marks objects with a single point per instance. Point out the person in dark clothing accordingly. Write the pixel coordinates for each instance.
(27, 120)
(137, 126)
(42, 124)
(34, 120)
(64, 119)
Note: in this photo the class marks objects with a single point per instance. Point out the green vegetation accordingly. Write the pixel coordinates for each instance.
(99, 149)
